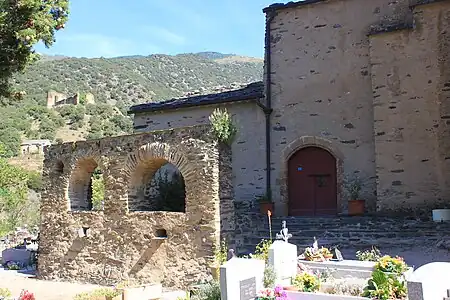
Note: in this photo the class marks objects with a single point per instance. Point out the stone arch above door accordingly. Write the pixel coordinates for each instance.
(301, 143)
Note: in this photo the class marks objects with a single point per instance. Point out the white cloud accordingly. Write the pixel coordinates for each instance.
(165, 35)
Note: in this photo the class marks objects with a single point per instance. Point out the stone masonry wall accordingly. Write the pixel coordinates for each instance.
(322, 91)
(112, 245)
(248, 155)
(248, 150)
(410, 81)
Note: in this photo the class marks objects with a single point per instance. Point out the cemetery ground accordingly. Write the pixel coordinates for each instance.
(47, 290)
(50, 290)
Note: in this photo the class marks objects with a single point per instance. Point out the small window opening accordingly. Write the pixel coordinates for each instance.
(161, 234)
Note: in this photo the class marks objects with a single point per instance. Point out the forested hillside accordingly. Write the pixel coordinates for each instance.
(115, 82)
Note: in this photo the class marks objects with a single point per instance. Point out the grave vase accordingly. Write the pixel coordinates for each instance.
(356, 207)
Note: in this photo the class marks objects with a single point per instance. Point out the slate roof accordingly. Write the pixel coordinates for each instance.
(291, 4)
(424, 2)
(253, 91)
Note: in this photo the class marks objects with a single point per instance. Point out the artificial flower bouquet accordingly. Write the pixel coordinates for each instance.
(276, 293)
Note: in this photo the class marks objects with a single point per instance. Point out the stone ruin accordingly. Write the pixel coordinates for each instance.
(124, 240)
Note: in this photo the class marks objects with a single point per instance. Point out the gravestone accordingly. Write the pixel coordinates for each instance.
(241, 278)
(429, 282)
(337, 255)
(342, 269)
(283, 259)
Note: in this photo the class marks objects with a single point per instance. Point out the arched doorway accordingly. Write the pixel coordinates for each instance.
(312, 183)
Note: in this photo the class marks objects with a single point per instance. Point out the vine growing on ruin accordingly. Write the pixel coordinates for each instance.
(223, 126)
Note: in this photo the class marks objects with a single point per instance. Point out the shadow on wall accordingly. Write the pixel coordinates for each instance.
(146, 257)
(157, 185)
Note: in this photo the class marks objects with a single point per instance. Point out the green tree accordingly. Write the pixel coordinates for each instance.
(10, 140)
(24, 23)
(15, 205)
(98, 190)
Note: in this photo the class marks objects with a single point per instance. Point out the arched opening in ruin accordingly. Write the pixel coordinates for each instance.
(157, 185)
(86, 186)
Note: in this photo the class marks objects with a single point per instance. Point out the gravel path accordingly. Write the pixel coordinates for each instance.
(51, 290)
(43, 290)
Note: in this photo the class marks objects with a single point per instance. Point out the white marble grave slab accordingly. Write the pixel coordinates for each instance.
(429, 282)
(342, 269)
(241, 278)
(283, 259)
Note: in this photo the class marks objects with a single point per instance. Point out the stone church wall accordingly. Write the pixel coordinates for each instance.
(115, 244)
(411, 84)
(323, 95)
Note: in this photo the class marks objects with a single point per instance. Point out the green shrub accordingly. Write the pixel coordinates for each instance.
(388, 280)
(306, 282)
(4, 292)
(208, 291)
(171, 194)
(369, 255)
(385, 286)
(222, 126)
(95, 294)
(221, 253)
(262, 250)
(269, 277)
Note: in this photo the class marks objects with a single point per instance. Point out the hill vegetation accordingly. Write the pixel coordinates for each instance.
(116, 84)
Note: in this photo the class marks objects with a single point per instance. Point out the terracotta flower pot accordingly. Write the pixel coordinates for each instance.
(265, 206)
(356, 207)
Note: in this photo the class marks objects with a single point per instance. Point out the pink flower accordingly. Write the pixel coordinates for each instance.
(26, 295)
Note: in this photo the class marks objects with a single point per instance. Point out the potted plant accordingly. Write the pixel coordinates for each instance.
(356, 206)
(265, 203)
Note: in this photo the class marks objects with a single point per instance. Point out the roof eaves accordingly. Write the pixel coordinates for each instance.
(292, 4)
(252, 91)
(424, 2)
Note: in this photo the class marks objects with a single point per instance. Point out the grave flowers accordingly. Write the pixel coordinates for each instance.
(388, 280)
(322, 254)
(276, 293)
(26, 295)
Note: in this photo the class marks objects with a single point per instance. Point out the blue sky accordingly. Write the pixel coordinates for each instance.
(111, 28)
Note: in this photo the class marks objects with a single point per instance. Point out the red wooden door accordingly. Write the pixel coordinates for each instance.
(312, 183)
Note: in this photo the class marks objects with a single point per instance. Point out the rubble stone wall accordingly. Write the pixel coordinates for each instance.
(106, 247)
(248, 149)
